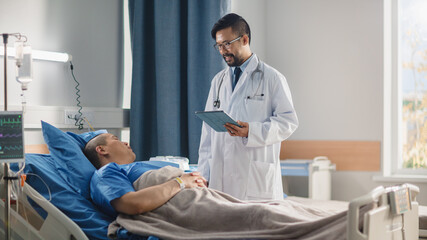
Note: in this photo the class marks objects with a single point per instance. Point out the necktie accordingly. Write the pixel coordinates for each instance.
(237, 72)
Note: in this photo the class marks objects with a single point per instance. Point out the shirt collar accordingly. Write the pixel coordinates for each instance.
(244, 65)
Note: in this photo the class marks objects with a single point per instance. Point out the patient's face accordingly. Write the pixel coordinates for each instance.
(233, 55)
(120, 152)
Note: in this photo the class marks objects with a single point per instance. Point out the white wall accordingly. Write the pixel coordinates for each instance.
(92, 32)
(254, 12)
(331, 53)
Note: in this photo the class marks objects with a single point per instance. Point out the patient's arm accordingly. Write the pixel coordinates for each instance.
(150, 198)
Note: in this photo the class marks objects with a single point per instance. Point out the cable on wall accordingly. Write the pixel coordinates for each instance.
(78, 118)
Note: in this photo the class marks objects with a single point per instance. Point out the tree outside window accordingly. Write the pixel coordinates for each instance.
(413, 83)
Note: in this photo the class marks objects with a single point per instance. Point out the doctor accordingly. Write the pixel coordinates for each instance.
(245, 161)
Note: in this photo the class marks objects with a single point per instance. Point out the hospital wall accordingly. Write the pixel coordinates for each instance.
(331, 53)
(92, 32)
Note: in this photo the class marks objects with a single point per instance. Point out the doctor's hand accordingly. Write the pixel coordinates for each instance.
(236, 131)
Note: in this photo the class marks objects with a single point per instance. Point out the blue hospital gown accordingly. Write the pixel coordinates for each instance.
(113, 181)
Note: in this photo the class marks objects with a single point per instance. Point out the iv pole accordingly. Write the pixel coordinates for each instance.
(5, 37)
(6, 177)
(6, 165)
(59, 57)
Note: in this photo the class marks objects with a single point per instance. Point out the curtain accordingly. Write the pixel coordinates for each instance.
(173, 65)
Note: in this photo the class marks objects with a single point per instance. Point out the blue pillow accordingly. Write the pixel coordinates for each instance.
(82, 211)
(70, 162)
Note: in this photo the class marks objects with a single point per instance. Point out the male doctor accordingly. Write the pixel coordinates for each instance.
(245, 161)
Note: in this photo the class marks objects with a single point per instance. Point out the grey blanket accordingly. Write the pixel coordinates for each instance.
(202, 213)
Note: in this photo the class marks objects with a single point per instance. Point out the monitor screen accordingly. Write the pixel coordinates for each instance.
(11, 137)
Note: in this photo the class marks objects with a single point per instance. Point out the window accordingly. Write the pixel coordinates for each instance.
(405, 84)
(127, 66)
(127, 58)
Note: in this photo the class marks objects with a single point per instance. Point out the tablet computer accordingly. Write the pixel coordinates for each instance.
(216, 119)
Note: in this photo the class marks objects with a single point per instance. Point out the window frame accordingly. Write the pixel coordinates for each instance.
(392, 112)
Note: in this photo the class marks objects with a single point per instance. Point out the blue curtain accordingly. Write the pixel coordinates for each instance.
(173, 64)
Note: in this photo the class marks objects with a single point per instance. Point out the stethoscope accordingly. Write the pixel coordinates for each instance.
(217, 102)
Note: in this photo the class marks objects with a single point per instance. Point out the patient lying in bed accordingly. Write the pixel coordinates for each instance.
(111, 185)
(152, 201)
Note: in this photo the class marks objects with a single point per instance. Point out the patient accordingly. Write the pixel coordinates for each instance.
(154, 203)
(111, 185)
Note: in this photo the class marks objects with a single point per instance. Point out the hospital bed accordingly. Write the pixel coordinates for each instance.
(69, 215)
(378, 223)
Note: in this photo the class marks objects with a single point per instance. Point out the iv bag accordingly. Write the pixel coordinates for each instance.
(24, 71)
(19, 52)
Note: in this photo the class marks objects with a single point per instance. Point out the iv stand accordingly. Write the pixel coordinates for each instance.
(5, 37)
(6, 165)
(6, 177)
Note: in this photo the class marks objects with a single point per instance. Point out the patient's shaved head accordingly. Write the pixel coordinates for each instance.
(90, 149)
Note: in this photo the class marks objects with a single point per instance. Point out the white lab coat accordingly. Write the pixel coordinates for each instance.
(248, 168)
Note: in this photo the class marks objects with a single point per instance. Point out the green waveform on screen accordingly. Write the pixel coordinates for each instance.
(17, 120)
(12, 148)
(11, 156)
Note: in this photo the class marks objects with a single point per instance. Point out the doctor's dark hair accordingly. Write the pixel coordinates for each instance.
(90, 149)
(237, 24)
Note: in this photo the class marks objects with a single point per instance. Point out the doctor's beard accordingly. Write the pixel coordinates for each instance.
(234, 61)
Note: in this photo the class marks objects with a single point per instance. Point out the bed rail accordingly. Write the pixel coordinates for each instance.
(28, 224)
(380, 222)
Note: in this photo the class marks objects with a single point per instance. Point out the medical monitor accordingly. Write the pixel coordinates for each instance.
(11, 137)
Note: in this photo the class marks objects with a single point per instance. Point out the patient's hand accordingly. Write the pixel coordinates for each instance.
(152, 197)
(194, 179)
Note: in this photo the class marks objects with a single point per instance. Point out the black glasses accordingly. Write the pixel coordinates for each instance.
(226, 45)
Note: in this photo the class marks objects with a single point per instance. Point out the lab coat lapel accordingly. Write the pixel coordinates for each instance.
(248, 71)
(227, 91)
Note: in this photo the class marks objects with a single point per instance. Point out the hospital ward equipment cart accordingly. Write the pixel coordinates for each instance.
(307, 178)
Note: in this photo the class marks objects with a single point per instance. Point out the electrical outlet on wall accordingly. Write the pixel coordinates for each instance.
(72, 115)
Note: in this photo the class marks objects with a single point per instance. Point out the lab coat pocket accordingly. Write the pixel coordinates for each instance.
(255, 108)
(260, 180)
